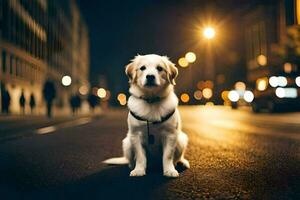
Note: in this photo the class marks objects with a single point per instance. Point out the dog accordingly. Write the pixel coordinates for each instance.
(154, 124)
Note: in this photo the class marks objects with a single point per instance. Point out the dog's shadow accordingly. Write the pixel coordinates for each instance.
(113, 182)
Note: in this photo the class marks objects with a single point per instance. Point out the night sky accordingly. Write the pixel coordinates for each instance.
(119, 30)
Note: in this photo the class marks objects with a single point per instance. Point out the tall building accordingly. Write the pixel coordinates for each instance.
(272, 36)
(42, 40)
(267, 24)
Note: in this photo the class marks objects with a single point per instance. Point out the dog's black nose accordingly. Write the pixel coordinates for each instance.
(150, 78)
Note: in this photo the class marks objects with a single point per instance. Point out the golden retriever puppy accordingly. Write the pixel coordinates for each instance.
(154, 125)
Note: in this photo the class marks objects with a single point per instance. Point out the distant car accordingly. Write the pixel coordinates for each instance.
(240, 97)
(277, 93)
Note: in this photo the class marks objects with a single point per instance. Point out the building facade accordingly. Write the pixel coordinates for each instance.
(267, 25)
(42, 40)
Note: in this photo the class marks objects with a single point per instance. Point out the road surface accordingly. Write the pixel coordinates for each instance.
(233, 155)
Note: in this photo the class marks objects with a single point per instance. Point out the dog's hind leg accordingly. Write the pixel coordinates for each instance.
(128, 152)
(182, 142)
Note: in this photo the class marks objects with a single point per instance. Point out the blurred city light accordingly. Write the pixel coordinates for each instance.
(297, 80)
(101, 92)
(282, 81)
(240, 86)
(279, 92)
(198, 95)
(273, 81)
(233, 96)
(207, 93)
(190, 57)
(286, 92)
(209, 103)
(262, 60)
(121, 97)
(248, 96)
(185, 97)
(123, 102)
(83, 90)
(209, 32)
(183, 62)
(262, 84)
(287, 67)
(208, 84)
(66, 80)
(224, 95)
(201, 85)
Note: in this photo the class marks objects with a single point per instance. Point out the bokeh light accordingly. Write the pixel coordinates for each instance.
(262, 60)
(233, 96)
(198, 95)
(288, 68)
(184, 97)
(261, 84)
(101, 93)
(297, 81)
(207, 93)
(248, 96)
(66, 80)
(83, 90)
(183, 62)
(282, 81)
(273, 81)
(240, 86)
(190, 57)
(224, 95)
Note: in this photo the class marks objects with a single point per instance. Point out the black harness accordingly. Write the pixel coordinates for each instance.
(162, 120)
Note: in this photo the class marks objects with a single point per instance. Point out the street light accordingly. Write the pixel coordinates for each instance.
(66, 80)
(209, 32)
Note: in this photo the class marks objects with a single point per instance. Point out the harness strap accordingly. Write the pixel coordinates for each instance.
(163, 119)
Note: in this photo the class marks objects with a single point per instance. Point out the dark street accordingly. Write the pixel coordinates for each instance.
(233, 155)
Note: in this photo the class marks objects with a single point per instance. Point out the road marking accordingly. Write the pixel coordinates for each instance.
(45, 130)
(50, 129)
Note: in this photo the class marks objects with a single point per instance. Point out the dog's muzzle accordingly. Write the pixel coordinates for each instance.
(150, 81)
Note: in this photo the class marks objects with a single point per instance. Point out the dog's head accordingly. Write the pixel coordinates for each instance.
(151, 72)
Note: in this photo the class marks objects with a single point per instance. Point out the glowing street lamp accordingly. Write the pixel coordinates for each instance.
(66, 80)
(209, 32)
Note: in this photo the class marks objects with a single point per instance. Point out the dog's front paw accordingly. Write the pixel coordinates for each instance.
(138, 172)
(171, 173)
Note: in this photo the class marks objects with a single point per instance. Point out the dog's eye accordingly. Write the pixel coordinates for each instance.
(159, 68)
(142, 68)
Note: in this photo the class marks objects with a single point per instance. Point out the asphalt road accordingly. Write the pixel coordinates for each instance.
(233, 155)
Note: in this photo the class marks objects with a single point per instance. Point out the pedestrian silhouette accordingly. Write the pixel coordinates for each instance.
(49, 93)
(75, 102)
(5, 101)
(93, 101)
(32, 103)
(22, 102)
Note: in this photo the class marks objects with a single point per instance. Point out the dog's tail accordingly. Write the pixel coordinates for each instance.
(116, 161)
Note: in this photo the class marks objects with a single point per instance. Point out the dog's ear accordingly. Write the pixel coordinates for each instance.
(130, 72)
(172, 70)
